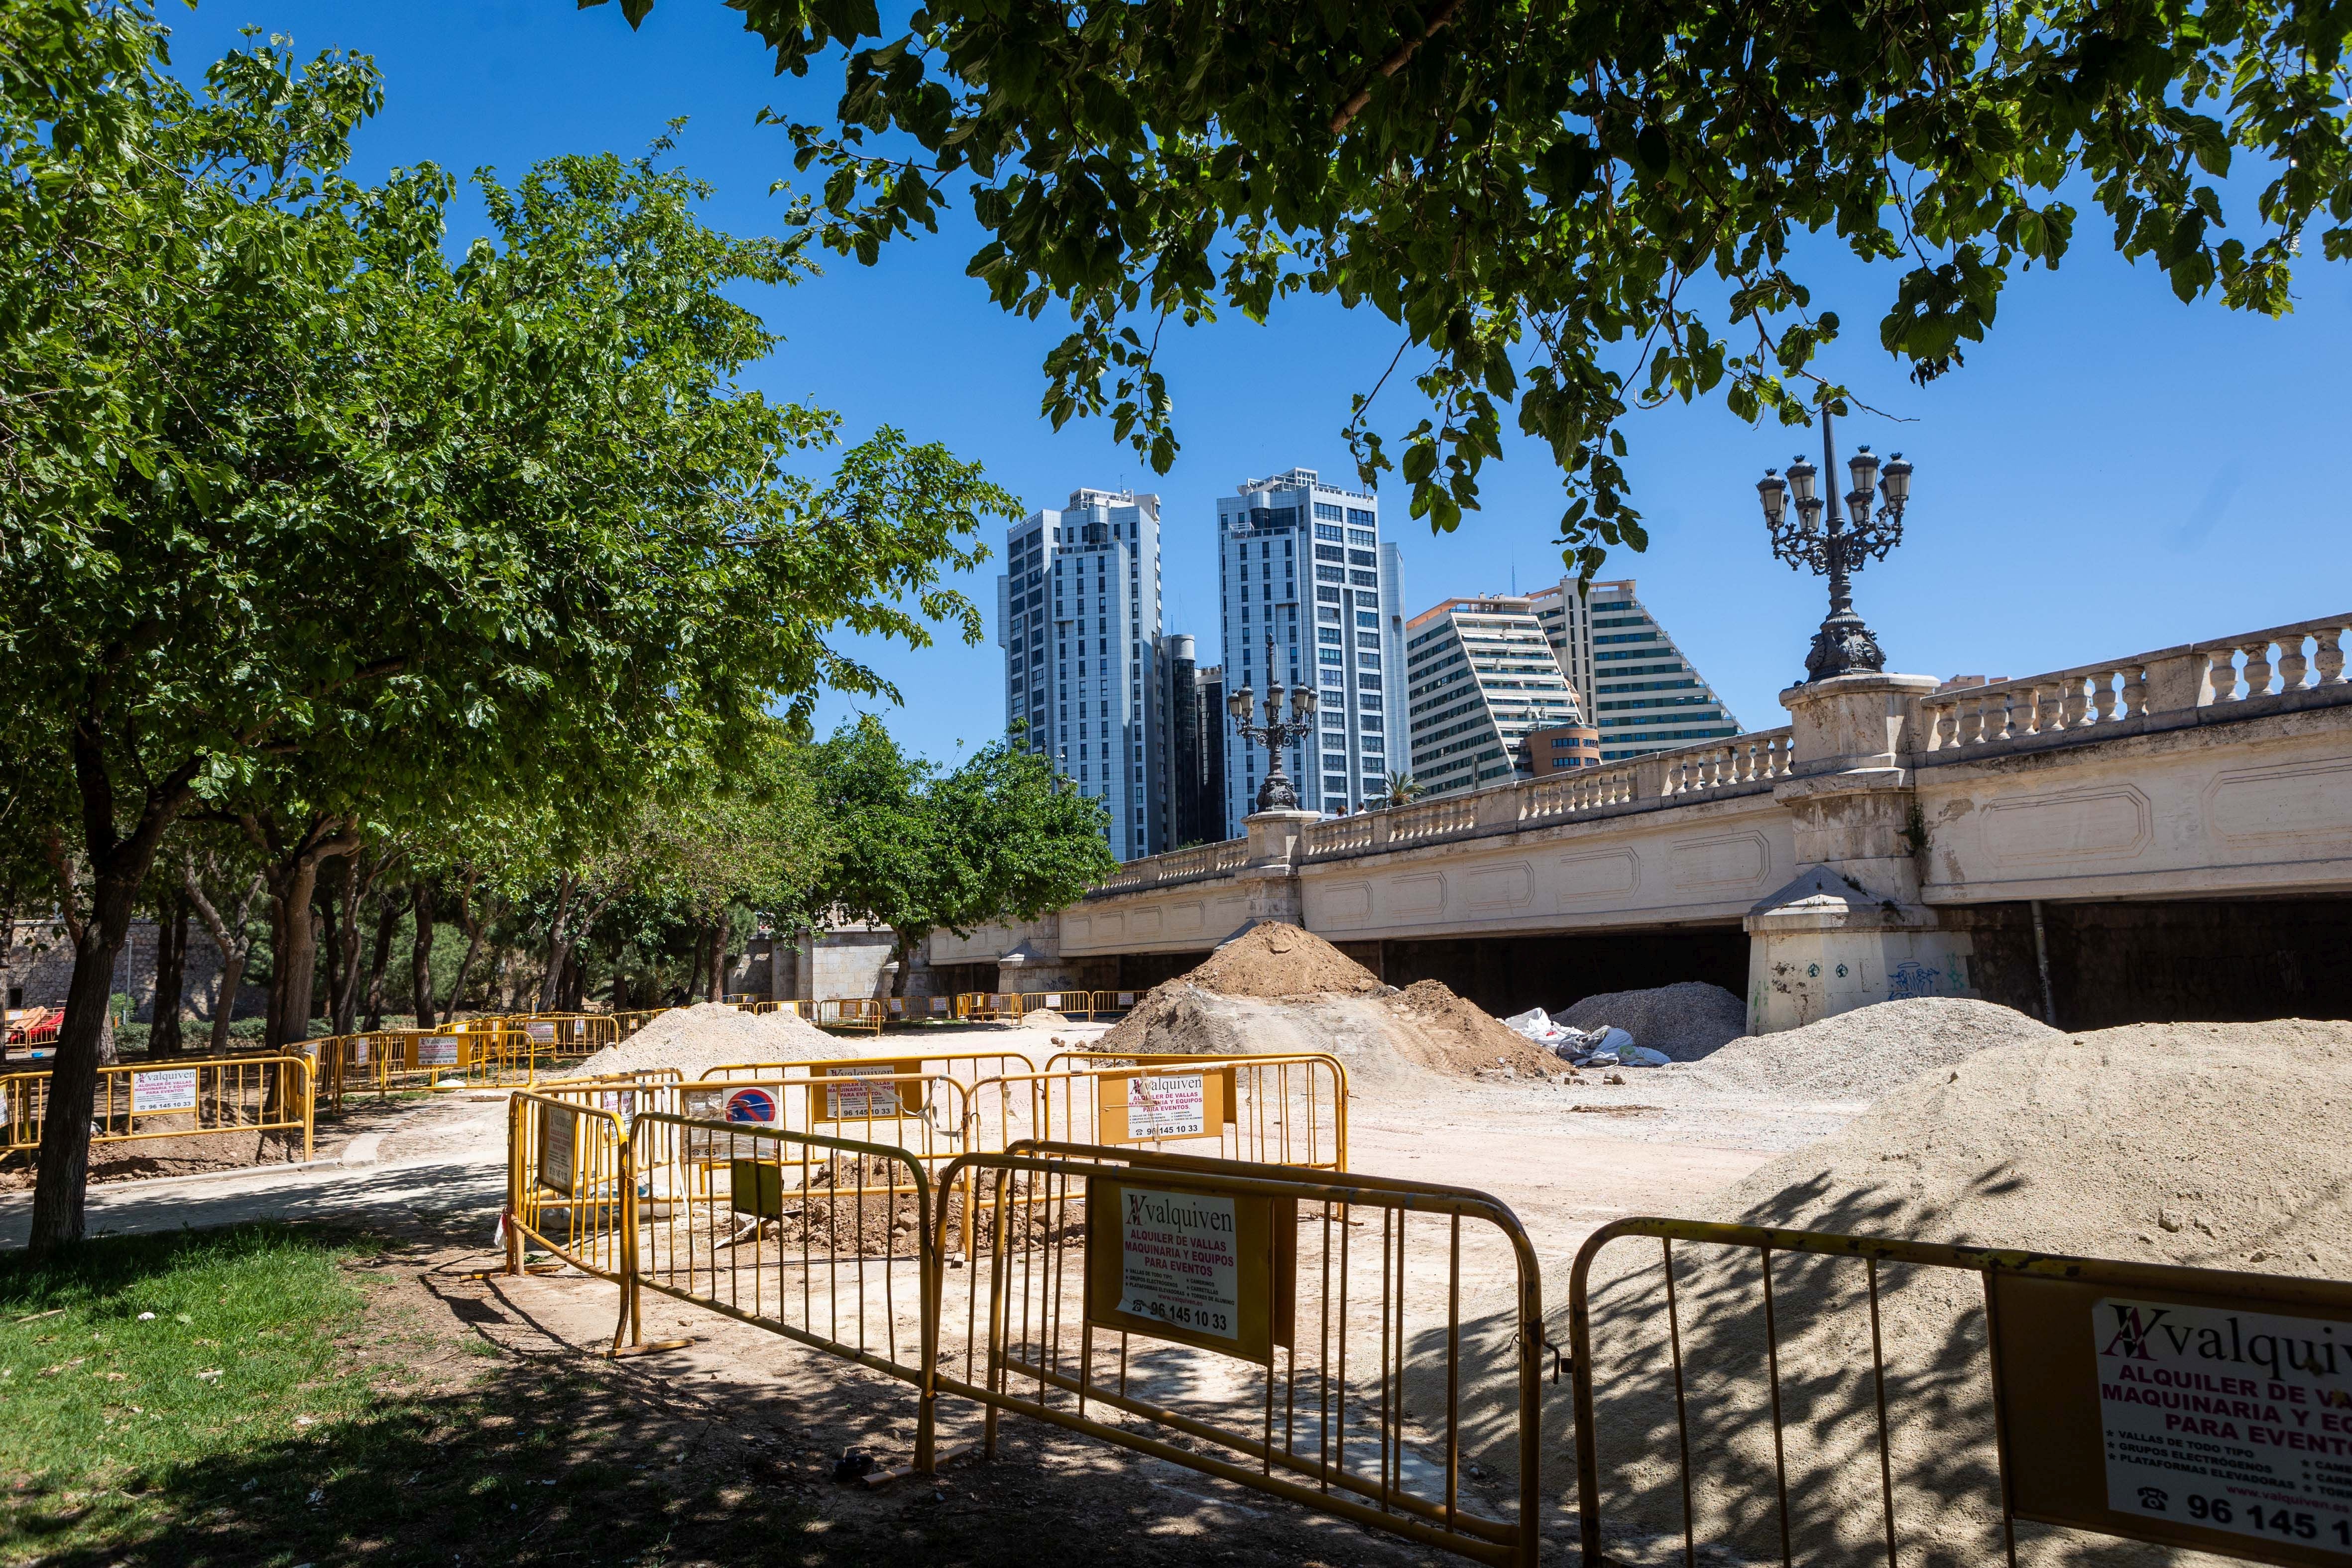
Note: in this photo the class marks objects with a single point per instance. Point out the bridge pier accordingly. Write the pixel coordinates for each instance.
(1850, 928)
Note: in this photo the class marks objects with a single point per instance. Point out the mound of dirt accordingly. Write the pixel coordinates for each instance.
(2217, 1146)
(1461, 1038)
(710, 1035)
(1272, 959)
(1427, 1029)
(1687, 1020)
(1868, 1052)
(1043, 1018)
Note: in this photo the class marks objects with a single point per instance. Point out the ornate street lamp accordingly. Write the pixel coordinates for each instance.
(1275, 794)
(1843, 646)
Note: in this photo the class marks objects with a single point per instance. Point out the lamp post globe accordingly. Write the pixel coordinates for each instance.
(1836, 544)
(1276, 793)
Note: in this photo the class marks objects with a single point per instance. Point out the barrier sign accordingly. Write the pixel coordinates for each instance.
(1193, 1265)
(857, 1101)
(2193, 1420)
(749, 1107)
(166, 1088)
(558, 1137)
(438, 1050)
(358, 1053)
(543, 1032)
(1144, 1107)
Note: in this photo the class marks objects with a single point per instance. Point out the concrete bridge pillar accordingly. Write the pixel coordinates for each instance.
(1851, 930)
(1270, 873)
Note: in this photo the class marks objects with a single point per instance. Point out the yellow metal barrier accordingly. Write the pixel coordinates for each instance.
(864, 1013)
(967, 1067)
(920, 1009)
(257, 1094)
(571, 1188)
(985, 1006)
(825, 1240)
(2186, 1408)
(1300, 1335)
(1275, 1110)
(1115, 1003)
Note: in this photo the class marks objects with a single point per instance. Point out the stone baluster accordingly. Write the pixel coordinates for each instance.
(2258, 669)
(2074, 702)
(2037, 710)
(2131, 700)
(2331, 656)
(2293, 666)
(2102, 697)
(1962, 723)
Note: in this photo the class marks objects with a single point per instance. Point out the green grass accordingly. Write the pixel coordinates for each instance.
(141, 1360)
(337, 1430)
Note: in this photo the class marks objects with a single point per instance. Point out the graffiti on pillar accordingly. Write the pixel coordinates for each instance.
(1911, 978)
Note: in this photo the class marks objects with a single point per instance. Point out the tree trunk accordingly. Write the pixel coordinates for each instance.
(294, 953)
(346, 992)
(293, 878)
(171, 975)
(388, 922)
(118, 866)
(234, 942)
(902, 949)
(717, 938)
(420, 953)
(475, 925)
(575, 983)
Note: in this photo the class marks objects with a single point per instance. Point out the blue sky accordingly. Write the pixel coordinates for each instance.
(2111, 473)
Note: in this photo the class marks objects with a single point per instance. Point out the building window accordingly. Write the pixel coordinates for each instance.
(1330, 635)
(1363, 536)
(1361, 579)
(1357, 514)
(1324, 529)
(1369, 682)
(1330, 553)
(1367, 639)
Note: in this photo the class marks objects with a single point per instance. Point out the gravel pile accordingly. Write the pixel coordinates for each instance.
(710, 1035)
(1687, 1020)
(1868, 1052)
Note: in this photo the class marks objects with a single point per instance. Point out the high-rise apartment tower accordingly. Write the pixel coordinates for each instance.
(1479, 675)
(1304, 562)
(1078, 618)
(1639, 691)
(1193, 702)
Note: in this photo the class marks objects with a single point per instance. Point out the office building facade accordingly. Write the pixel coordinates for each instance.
(1304, 562)
(1480, 676)
(1639, 690)
(1193, 701)
(1079, 616)
(1560, 748)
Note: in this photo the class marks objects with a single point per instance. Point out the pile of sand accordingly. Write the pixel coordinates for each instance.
(711, 1035)
(1299, 995)
(1272, 959)
(1043, 1018)
(2208, 1144)
(1687, 1020)
(1868, 1052)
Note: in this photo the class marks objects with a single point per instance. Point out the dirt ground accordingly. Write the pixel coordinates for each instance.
(743, 1426)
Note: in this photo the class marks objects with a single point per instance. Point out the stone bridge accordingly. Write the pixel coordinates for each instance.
(2167, 835)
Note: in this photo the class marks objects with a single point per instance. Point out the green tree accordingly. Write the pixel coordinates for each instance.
(310, 525)
(917, 850)
(1400, 789)
(1572, 210)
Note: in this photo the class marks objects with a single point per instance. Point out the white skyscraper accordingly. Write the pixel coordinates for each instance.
(1481, 676)
(1303, 563)
(1078, 613)
(1639, 688)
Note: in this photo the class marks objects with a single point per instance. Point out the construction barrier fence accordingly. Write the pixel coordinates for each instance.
(571, 1189)
(1275, 1110)
(263, 1096)
(1751, 1393)
(1302, 1335)
(821, 1239)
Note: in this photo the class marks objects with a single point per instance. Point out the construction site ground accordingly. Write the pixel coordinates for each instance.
(743, 1425)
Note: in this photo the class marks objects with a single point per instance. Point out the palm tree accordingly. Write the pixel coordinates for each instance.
(1402, 789)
